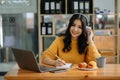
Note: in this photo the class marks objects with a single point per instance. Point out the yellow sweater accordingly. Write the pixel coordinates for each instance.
(73, 55)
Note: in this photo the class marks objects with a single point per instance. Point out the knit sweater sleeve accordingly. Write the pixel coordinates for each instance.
(92, 53)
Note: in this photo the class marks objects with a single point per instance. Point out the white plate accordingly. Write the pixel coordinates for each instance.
(86, 69)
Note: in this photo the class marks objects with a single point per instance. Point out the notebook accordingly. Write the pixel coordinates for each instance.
(66, 66)
(26, 60)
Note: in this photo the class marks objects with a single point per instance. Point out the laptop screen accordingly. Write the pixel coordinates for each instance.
(26, 59)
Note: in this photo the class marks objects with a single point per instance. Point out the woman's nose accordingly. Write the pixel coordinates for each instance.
(75, 28)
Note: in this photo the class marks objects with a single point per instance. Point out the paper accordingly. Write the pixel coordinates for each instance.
(66, 66)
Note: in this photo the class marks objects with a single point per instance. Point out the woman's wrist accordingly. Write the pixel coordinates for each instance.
(90, 42)
(49, 61)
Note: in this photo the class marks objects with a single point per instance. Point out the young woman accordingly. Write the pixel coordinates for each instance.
(75, 46)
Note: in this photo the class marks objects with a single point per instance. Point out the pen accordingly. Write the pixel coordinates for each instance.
(60, 58)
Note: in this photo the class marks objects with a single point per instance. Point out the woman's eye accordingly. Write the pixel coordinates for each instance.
(80, 27)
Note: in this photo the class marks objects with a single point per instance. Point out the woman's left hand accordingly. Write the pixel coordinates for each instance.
(90, 35)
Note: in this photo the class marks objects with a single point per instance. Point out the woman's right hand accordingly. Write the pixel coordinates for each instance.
(59, 62)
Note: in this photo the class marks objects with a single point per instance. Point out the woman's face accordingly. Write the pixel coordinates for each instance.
(76, 29)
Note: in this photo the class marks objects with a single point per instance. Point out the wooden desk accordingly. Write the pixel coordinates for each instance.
(110, 72)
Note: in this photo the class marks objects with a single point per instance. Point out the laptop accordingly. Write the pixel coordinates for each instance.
(26, 60)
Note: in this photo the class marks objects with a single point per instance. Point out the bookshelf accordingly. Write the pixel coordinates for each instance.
(53, 16)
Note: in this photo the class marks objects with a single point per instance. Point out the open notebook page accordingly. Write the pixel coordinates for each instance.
(66, 66)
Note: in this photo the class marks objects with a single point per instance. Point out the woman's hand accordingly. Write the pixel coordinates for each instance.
(59, 62)
(90, 35)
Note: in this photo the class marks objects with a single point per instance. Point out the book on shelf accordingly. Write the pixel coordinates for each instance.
(81, 6)
(58, 6)
(46, 6)
(49, 28)
(43, 28)
(87, 6)
(75, 5)
(52, 6)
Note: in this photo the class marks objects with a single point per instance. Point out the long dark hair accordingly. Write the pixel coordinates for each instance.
(82, 39)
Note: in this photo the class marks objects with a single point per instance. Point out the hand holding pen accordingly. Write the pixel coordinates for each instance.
(59, 61)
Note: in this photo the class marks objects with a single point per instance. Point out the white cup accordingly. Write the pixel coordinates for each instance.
(101, 61)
